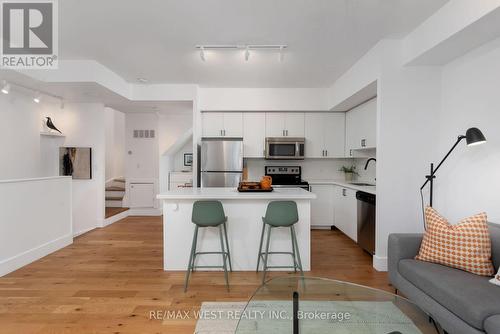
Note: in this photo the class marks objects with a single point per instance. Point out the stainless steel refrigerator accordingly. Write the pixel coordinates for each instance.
(221, 162)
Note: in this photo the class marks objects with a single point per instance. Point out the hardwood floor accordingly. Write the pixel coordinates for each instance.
(110, 280)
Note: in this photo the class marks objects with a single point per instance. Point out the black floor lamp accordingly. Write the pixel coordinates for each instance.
(473, 136)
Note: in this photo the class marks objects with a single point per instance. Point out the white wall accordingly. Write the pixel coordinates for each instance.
(84, 126)
(469, 181)
(265, 99)
(19, 137)
(142, 158)
(115, 143)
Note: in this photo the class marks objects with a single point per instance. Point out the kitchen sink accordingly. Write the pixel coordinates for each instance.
(364, 184)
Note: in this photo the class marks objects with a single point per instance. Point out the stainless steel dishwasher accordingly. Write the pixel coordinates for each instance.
(366, 221)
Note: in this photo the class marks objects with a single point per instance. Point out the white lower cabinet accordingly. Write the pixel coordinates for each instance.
(346, 211)
(322, 211)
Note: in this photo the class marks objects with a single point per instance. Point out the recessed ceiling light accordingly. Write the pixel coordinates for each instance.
(142, 80)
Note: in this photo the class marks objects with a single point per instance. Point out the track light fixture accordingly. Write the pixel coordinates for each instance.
(37, 98)
(246, 47)
(5, 87)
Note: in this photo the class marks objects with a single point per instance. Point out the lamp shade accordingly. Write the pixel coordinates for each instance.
(474, 136)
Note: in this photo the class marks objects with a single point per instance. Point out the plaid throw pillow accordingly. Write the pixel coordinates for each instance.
(465, 246)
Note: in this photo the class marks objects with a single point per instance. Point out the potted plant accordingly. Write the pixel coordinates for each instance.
(349, 172)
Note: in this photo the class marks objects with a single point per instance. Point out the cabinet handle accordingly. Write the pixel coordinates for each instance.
(326, 153)
(224, 133)
(344, 192)
(350, 153)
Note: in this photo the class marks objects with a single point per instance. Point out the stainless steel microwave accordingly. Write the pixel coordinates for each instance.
(285, 148)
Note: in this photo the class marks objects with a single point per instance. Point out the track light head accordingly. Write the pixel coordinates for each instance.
(5, 87)
(202, 53)
(247, 53)
(37, 98)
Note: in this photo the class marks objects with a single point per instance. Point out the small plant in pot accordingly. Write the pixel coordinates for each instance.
(349, 172)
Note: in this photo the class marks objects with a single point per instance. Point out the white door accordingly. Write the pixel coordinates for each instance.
(322, 211)
(334, 134)
(315, 137)
(346, 211)
(142, 195)
(351, 205)
(254, 134)
(212, 124)
(294, 124)
(275, 124)
(233, 124)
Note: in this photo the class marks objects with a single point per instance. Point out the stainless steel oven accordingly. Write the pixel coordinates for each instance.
(285, 148)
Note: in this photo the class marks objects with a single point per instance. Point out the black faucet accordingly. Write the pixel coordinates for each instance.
(368, 161)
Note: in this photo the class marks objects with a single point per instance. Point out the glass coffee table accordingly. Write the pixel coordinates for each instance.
(303, 305)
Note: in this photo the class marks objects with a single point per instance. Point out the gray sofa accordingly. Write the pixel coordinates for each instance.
(461, 302)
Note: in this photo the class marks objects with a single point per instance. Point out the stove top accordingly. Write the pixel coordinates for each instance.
(286, 176)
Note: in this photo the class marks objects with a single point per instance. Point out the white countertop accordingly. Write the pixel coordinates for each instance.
(232, 193)
(343, 183)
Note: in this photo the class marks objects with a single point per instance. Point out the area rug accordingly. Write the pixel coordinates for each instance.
(349, 317)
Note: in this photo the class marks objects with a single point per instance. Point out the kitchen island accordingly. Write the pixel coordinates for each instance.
(244, 226)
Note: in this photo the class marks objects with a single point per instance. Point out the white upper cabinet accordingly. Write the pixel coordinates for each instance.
(222, 124)
(294, 124)
(361, 127)
(213, 124)
(325, 135)
(285, 124)
(254, 134)
(233, 124)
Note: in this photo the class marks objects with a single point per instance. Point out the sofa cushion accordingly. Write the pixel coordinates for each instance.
(492, 325)
(470, 297)
(495, 244)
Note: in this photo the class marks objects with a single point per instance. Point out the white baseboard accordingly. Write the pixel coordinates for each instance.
(144, 212)
(115, 218)
(25, 258)
(76, 234)
(380, 263)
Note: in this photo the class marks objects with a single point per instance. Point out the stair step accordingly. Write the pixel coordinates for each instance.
(115, 188)
(114, 198)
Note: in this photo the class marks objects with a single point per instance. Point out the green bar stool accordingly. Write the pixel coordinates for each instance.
(280, 214)
(209, 214)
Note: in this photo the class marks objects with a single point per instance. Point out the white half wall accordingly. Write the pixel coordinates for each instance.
(35, 220)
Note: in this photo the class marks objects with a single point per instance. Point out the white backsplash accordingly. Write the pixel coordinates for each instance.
(314, 169)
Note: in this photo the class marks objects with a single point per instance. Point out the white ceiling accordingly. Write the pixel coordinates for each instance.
(155, 39)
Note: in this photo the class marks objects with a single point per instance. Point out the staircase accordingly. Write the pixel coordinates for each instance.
(115, 191)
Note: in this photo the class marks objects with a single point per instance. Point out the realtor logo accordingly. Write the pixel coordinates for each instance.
(29, 34)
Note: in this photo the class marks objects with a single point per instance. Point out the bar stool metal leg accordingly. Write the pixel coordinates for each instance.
(294, 236)
(260, 245)
(266, 254)
(224, 256)
(293, 251)
(191, 257)
(227, 245)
